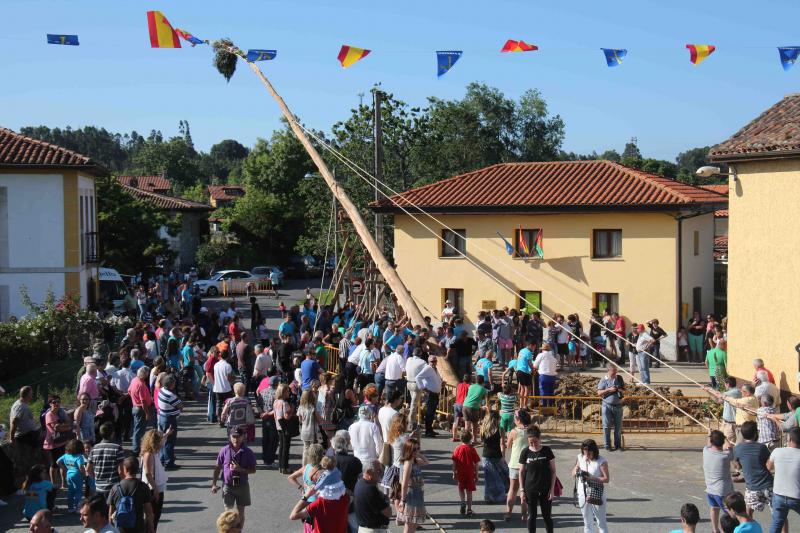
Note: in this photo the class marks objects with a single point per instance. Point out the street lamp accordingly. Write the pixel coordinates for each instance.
(709, 171)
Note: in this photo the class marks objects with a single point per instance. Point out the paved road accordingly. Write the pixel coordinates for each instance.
(650, 481)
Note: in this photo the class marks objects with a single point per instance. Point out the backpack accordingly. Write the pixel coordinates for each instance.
(126, 509)
(237, 416)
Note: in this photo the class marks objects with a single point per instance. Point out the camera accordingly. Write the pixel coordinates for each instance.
(236, 480)
(583, 475)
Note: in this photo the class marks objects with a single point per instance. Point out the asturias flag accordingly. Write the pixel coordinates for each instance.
(161, 33)
(789, 56)
(698, 52)
(188, 37)
(445, 59)
(349, 55)
(56, 38)
(538, 245)
(518, 46)
(509, 248)
(614, 56)
(261, 55)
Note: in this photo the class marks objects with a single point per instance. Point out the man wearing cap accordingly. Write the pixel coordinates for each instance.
(236, 462)
(448, 312)
(429, 381)
(643, 345)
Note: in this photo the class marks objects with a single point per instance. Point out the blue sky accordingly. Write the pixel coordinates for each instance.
(115, 80)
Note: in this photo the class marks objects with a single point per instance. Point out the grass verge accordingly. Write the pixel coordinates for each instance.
(56, 377)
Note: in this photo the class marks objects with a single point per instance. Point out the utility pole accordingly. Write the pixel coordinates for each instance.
(378, 96)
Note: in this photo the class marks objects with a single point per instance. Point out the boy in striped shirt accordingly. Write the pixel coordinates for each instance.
(169, 409)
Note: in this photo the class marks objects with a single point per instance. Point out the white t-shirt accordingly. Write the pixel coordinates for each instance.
(787, 472)
(448, 312)
(563, 333)
(262, 364)
(395, 364)
(429, 379)
(644, 341)
(546, 364)
(221, 372)
(385, 416)
(355, 357)
(593, 467)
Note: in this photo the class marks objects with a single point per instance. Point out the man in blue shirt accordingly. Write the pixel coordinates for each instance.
(287, 327)
(610, 390)
(309, 370)
(483, 367)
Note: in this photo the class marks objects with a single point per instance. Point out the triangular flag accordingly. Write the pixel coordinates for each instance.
(509, 248)
(261, 55)
(788, 56)
(161, 33)
(518, 46)
(538, 245)
(349, 55)
(188, 37)
(445, 59)
(698, 52)
(614, 56)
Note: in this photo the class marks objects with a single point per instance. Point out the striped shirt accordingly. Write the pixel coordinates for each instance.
(105, 458)
(168, 403)
(507, 403)
(767, 427)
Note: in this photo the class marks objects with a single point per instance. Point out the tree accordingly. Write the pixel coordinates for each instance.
(540, 135)
(611, 155)
(631, 156)
(129, 229)
(176, 157)
(694, 158)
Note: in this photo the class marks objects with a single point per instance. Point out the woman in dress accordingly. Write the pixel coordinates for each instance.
(84, 418)
(153, 472)
(411, 510)
(591, 469)
(495, 469)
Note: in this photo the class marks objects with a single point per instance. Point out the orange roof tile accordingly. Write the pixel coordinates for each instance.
(166, 202)
(722, 188)
(147, 183)
(721, 248)
(19, 151)
(555, 185)
(225, 192)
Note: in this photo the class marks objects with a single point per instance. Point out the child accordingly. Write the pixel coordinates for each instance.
(89, 488)
(461, 394)
(465, 471)
(39, 492)
(487, 526)
(508, 403)
(683, 345)
(282, 308)
(73, 469)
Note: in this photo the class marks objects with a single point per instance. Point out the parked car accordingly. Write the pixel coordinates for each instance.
(303, 267)
(213, 285)
(263, 272)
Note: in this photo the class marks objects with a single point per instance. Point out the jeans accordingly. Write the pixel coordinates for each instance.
(781, 505)
(139, 427)
(285, 442)
(211, 414)
(380, 382)
(643, 358)
(612, 415)
(269, 440)
(656, 352)
(622, 347)
(413, 406)
(395, 385)
(547, 386)
(168, 451)
(430, 411)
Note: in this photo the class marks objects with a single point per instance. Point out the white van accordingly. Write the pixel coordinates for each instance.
(113, 289)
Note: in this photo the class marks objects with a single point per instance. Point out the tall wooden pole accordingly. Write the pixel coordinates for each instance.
(389, 273)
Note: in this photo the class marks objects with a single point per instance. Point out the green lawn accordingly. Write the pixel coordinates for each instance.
(324, 298)
(55, 377)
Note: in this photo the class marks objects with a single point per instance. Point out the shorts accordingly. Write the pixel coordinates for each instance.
(472, 415)
(457, 410)
(234, 497)
(524, 379)
(714, 501)
(563, 349)
(729, 430)
(506, 422)
(55, 454)
(513, 473)
(758, 499)
(505, 344)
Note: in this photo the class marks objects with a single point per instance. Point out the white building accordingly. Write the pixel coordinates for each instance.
(48, 222)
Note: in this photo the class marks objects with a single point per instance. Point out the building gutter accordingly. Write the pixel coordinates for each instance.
(754, 156)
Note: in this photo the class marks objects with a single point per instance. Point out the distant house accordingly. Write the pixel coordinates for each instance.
(157, 184)
(614, 238)
(720, 254)
(48, 222)
(764, 237)
(222, 195)
(720, 215)
(194, 221)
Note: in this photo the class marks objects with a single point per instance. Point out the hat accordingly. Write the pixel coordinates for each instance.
(235, 431)
(330, 485)
(273, 381)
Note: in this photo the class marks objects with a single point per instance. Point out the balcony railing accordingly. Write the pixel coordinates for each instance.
(91, 247)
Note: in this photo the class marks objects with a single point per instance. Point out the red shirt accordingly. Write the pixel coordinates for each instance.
(461, 393)
(330, 516)
(464, 459)
(140, 393)
(769, 375)
(619, 327)
(235, 331)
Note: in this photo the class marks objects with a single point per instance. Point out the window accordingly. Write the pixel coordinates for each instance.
(535, 299)
(525, 238)
(697, 300)
(607, 243)
(456, 297)
(696, 242)
(457, 239)
(606, 300)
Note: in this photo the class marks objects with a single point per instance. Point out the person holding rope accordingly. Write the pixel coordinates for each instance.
(610, 390)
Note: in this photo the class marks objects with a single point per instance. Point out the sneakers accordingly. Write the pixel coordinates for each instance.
(463, 508)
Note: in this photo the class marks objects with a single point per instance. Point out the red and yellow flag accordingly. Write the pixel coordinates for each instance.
(698, 52)
(161, 33)
(349, 55)
(518, 46)
(523, 244)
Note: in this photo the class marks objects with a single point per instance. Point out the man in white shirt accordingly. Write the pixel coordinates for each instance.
(395, 366)
(365, 437)
(351, 367)
(643, 345)
(388, 412)
(785, 462)
(413, 365)
(262, 365)
(223, 383)
(764, 386)
(448, 312)
(429, 381)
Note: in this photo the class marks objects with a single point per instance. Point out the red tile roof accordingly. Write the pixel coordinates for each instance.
(225, 192)
(776, 132)
(147, 183)
(555, 185)
(721, 248)
(165, 202)
(18, 151)
(721, 189)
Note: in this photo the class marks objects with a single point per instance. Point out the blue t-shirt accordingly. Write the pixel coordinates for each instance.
(286, 328)
(394, 341)
(309, 371)
(482, 368)
(512, 364)
(187, 353)
(524, 361)
(72, 463)
(36, 498)
(748, 527)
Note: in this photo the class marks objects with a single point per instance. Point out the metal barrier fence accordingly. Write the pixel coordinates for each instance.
(247, 287)
(332, 360)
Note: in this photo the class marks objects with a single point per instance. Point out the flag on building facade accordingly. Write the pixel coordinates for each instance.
(509, 248)
(349, 55)
(261, 55)
(788, 56)
(445, 59)
(188, 37)
(538, 245)
(698, 52)
(614, 56)
(162, 35)
(56, 38)
(518, 46)
(523, 244)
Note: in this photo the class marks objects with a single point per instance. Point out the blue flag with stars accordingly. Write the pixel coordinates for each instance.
(788, 56)
(614, 56)
(261, 55)
(509, 248)
(54, 38)
(445, 60)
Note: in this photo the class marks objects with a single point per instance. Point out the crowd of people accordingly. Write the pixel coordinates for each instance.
(363, 414)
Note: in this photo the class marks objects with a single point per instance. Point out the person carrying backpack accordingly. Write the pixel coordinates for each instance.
(130, 501)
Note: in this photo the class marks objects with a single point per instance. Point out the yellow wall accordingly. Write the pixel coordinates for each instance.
(645, 277)
(764, 269)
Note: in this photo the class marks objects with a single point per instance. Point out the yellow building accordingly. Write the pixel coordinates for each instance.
(763, 242)
(613, 237)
